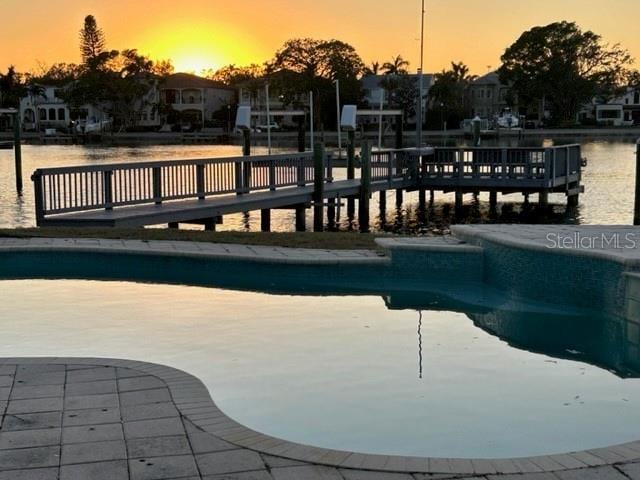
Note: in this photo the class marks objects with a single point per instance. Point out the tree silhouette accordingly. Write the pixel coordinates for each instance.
(397, 66)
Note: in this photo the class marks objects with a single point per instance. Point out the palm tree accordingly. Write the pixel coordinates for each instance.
(34, 91)
(397, 66)
(373, 69)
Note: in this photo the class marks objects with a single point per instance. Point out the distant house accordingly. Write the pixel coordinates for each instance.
(194, 98)
(375, 90)
(47, 109)
(620, 111)
(488, 96)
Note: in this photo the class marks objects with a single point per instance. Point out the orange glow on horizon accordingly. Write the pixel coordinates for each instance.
(207, 34)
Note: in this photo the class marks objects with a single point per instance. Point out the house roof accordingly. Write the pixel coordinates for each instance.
(491, 78)
(188, 80)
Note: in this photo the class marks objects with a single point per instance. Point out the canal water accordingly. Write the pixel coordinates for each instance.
(608, 197)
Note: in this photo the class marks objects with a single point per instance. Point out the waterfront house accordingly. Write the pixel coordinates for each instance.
(489, 97)
(192, 100)
(44, 108)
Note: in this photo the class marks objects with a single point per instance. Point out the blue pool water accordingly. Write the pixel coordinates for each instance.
(372, 373)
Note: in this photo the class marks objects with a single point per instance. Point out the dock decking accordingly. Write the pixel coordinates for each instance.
(203, 190)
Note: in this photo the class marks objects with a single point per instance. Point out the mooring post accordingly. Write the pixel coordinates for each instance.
(351, 168)
(365, 187)
(17, 150)
(636, 205)
(318, 187)
(246, 142)
(265, 219)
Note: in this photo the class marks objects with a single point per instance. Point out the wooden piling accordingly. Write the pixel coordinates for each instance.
(17, 151)
(302, 140)
(383, 201)
(301, 218)
(265, 219)
(459, 200)
(210, 224)
(174, 225)
(422, 197)
(636, 208)
(543, 198)
(318, 187)
(351, 168)
(331, 212)
(365, 188)
(246, 142)
(493, 199)
(399, 193)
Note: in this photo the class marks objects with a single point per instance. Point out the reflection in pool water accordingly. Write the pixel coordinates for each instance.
(359, 373)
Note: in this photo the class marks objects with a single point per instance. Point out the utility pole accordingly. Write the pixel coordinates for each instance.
(419, 119)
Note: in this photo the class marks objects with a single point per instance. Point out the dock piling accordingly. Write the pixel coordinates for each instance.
(265, 219)
(17, 151)
(636, 205)
(351, 168)
(301, 218)
(318, 187)
(365, 187)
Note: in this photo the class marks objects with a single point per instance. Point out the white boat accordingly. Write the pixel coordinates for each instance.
(93, 127)
(507, 119)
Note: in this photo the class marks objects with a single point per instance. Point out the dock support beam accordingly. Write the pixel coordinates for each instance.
(636, 205)
(318, 187)
(265, 220)
(365, 188)
(351, 169)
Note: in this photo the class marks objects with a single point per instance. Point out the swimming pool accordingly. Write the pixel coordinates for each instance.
(396, 372)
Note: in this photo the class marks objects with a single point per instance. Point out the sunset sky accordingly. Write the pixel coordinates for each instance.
(200, 34)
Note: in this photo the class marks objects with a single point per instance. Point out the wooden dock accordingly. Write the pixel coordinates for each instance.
(202, 191)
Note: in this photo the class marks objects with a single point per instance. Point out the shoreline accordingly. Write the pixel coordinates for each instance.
(289, 139)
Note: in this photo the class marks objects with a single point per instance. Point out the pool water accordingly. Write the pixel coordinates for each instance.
(347, 372)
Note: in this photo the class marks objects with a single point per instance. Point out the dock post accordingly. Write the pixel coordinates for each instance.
(265, 219)
(210, 224)
(493, 199)
(432, 196)
(459, 201)
(174, 225)
(365, 188)
(399, 193)
(300, 218)
(318, 187)
(246, 142)
(422, 197)
(543, 198)
(17, 151)
(636, 205)
(331, 213)
(351, 168)
(383, 201)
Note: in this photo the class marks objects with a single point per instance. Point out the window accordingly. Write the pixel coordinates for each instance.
(42, 114)
(62, 115)
(489, 93)
(52, 114)
(607, 114)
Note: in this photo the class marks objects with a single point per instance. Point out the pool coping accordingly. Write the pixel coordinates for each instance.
(474, 234)
(194, 402)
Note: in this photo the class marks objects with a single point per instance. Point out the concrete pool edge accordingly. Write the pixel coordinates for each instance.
(194, 403)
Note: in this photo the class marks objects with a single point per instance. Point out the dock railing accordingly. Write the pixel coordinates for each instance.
(547, 167)
(72, 189)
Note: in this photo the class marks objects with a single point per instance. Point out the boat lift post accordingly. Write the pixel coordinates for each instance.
(17, 145)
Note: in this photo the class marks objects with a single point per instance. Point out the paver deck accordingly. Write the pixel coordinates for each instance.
(94, 419)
